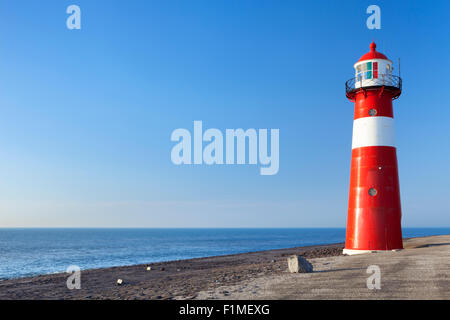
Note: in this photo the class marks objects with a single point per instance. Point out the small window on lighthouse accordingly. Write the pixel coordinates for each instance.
(375, 70)
(369, 70)
(372, 192)
(364, 70)
(389, 69)
(358, 73)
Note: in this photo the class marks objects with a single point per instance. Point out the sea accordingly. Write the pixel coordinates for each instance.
(30, 252)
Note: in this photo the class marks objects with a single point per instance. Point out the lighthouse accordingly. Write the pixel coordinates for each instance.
(374, 210)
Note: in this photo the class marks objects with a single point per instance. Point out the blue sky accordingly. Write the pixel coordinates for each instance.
(86, 115)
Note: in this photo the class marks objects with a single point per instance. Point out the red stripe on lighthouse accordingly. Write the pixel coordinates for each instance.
(380, 102)
(374, 210)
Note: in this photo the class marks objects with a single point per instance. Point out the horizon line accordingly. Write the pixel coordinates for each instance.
(137, 228)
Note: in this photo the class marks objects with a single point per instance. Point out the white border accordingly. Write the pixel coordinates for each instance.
(352, 252)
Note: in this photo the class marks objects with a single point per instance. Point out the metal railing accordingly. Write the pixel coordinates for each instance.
(389, 81)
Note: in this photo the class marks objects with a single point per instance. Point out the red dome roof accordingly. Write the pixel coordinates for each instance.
(373, 54)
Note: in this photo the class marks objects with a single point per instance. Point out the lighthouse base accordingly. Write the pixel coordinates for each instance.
(351, 252)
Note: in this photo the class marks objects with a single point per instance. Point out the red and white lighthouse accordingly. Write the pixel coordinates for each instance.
(374, 210)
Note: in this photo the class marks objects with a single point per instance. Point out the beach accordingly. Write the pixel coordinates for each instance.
(419, 271)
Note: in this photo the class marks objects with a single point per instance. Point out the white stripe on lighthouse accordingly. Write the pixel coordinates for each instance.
(373, 131)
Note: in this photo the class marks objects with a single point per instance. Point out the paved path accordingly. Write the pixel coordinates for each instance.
(421, 271)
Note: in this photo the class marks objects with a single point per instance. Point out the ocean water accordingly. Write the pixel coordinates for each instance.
(28, 252)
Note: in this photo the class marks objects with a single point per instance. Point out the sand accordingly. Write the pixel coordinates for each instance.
(182, 279)
(421, 271)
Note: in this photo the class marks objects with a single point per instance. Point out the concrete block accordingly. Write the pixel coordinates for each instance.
(298, 264)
